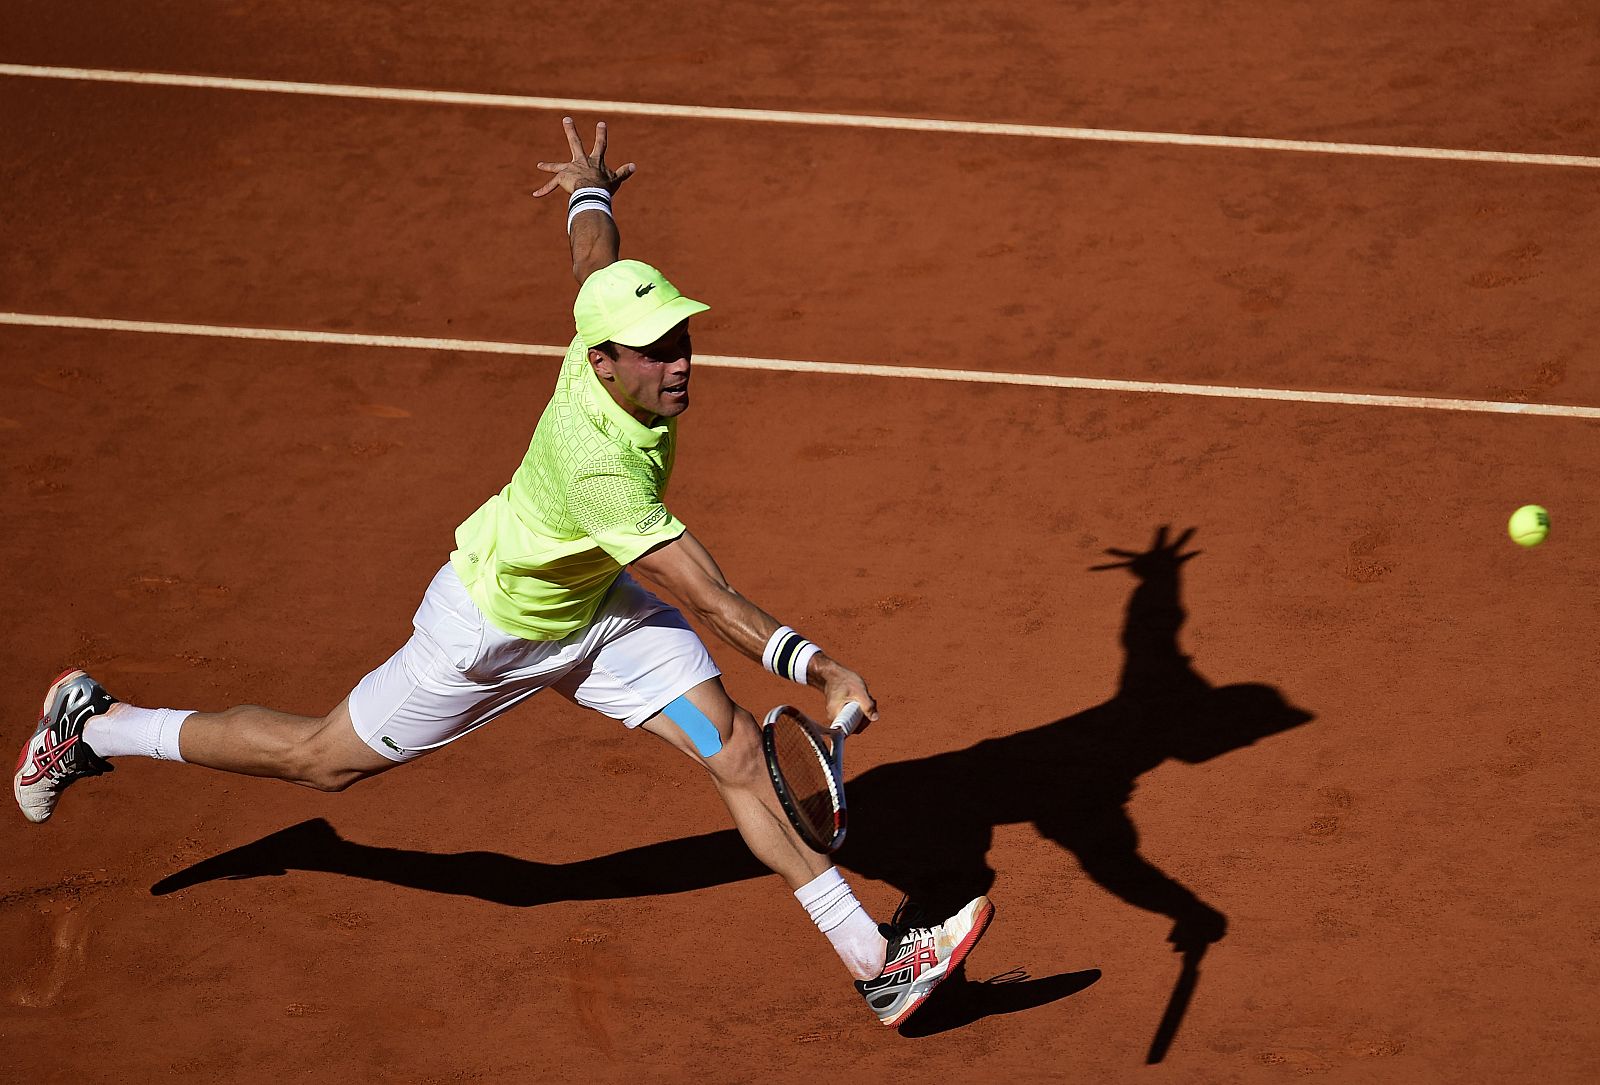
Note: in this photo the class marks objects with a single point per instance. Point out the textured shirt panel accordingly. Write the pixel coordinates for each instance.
(539, 556)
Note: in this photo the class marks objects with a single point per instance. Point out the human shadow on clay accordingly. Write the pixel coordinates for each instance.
(1072, 779)
(924, 826)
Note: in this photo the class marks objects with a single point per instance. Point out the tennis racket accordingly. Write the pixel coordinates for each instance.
(806, 764)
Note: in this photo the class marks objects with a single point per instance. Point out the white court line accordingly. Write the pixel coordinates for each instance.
(856, 369)
(785, 116)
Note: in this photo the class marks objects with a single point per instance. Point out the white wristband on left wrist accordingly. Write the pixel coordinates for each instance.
(587, 199)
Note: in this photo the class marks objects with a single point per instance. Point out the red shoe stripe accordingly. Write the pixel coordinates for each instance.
(918, 958)
(957, 955)
(49, 757)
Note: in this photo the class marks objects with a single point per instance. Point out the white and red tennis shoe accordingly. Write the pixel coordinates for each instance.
(56, 754)
(918, 959)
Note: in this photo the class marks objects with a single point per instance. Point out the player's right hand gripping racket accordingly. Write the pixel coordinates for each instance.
(806, 764)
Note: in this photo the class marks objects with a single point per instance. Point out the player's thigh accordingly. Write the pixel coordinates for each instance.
(456, 673)
(655, 673)
(640, 656)
(705, 724)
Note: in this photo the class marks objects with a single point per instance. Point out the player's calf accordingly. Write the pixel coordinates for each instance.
(82, 727)
(322, 753)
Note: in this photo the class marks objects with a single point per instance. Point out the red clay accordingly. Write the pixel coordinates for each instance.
(1406, 877)
(1366, 71)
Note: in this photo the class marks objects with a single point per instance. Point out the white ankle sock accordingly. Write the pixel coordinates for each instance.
(833, 907)
(138, 732)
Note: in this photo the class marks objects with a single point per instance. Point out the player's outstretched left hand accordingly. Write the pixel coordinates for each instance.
(585, 170)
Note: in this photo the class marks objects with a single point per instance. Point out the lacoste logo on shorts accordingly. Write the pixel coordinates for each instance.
(641, 291)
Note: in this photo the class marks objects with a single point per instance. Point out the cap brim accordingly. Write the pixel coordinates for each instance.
(660, 321)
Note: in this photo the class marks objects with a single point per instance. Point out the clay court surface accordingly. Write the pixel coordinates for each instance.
(1358, 725)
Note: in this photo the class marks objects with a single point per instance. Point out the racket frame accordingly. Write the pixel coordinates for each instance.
(847, 722)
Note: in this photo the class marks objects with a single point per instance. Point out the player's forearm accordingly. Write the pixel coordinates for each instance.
(590, 184)
(687, 570)
(595, 243)
(736, 620)
(749, 629)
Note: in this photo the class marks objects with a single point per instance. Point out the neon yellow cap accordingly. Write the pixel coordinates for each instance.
(629, 303)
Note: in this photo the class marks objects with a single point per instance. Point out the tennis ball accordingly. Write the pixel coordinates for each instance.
(1529, 526)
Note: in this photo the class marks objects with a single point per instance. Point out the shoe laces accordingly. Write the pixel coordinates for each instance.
(901, 928)
(74, 763)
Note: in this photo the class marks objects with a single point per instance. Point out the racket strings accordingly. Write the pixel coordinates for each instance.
(803, 764)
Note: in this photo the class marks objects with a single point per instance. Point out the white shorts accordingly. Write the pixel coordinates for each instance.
(459, 670)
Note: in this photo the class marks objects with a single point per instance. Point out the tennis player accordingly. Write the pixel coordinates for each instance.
(538, 594)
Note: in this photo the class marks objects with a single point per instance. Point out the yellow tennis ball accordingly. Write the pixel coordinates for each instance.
(1530, 525)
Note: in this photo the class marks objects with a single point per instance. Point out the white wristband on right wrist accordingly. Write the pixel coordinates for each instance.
(788, 655)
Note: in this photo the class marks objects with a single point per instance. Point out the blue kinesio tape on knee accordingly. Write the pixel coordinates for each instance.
(694, 723)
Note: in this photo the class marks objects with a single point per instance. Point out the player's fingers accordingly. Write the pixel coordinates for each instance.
(549, 187)
(840, 701)
(623, 173)
(573, 142)
(599, 141)
(850, 718)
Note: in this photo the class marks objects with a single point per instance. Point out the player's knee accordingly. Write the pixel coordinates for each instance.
(303, 764)
(322, 775)
(739, 763)
(332, 780)
(319, 763)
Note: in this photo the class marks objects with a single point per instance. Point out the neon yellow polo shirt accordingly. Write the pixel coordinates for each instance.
(539, 556)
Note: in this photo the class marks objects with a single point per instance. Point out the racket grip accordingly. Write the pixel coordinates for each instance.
(849, 719)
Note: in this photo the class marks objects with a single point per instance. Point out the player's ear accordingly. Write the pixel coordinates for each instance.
(602, 363)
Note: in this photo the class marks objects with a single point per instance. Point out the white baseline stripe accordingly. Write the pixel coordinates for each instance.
(856, 369)
(785, 116)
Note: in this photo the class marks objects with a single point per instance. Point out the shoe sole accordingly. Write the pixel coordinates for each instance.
(980, 924)
(44, 719)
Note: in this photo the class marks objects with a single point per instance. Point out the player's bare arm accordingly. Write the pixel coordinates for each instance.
(594, 236)
(685, 568)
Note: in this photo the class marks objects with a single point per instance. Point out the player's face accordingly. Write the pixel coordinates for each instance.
(651, 382)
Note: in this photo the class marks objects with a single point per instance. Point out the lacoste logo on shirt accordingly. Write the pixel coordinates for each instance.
(641, 291)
